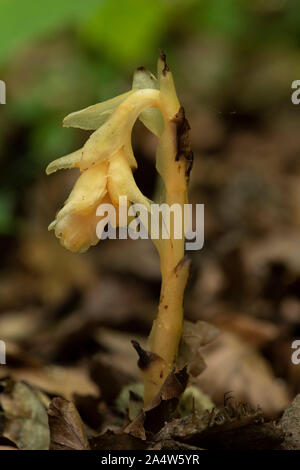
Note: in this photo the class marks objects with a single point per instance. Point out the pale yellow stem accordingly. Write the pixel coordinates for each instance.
(167, 328)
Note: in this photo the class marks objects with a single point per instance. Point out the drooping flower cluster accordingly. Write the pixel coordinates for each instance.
(106, 161)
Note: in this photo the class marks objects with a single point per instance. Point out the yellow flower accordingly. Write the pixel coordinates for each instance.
(75, 224)
(106, 161)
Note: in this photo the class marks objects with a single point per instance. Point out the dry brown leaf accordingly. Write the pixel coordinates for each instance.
(170, 444)
(17, 356)
(111, 440)
(290, 423)
(194, 336)
(56, 380)
(160, 410)
(232, 365)
(252, 330)
(66, 428)
(24, 418)
(20, 325)
(235, 426)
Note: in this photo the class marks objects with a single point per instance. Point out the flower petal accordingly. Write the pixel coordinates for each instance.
(129, 154)
(116, 131)
(76, 222)
(143, 78)
(88, 189)
(93, 117)
(69, 161)
(121, 182)
(77, 232)
(151, 117)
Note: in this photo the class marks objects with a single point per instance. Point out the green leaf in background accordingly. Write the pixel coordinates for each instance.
(23, 21)
(50, 141)
(129, 30)
(228, 17)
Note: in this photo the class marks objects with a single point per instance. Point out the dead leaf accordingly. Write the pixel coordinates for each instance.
(235, 426)
(232, 365)
(153, 417)
(56, 380)
(250, 329)
(194, 336)
(65, 381)
(20, 325)
(111, 440)
(290, 423)
(24, 418)
(170, 444)
(66, 428)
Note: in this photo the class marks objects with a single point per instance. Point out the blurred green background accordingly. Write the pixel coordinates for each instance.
(233, 63)
(60, 55)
